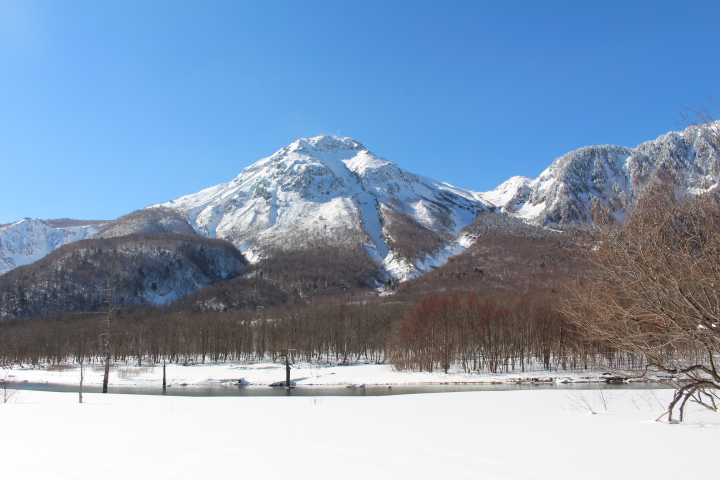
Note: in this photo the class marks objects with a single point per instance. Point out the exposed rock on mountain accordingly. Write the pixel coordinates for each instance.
(610, 175)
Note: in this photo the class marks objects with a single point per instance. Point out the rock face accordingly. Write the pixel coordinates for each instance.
(614, 176)
(329, 189)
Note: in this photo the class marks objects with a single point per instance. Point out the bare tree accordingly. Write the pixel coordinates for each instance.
(659, 296)
(106, 335)
(704, 117)
(8, 389)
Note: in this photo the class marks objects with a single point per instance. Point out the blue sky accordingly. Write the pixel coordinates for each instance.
(107, 107)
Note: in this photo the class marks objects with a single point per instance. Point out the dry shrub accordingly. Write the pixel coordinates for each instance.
(59, 367)
(129, 372)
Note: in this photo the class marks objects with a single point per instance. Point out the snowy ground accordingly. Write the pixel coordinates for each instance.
(547, 434)
(478, 435)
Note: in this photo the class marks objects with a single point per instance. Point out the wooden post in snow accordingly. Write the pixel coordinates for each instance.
(287, 366)
(287, 371)
(140, 350)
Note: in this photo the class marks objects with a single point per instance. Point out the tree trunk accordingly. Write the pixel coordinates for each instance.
(82, 374)
(107, 369)
(111, 307)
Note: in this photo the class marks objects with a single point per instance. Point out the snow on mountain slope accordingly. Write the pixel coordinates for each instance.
(28, 240)
(608, 174)
(509, 194)
(331, 188)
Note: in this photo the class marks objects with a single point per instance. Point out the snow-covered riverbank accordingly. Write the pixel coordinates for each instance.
(268, 373)
(475, 435)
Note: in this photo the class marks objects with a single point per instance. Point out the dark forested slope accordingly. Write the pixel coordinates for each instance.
(147, 268)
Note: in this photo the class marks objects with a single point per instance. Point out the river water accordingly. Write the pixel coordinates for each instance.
(228, 390)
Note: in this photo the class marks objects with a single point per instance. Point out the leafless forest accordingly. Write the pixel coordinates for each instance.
(479, 334)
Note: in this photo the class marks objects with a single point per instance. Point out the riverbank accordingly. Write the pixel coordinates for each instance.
(267, 373)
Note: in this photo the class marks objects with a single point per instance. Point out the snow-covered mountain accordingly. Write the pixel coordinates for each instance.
(612, 175)
(29, 240)
(333, 189)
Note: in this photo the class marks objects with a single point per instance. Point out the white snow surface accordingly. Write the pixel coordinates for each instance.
(504, 193)
(498, 435)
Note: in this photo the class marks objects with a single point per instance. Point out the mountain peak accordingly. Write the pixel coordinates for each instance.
(320, 147)
(322, 144)
(331, 189)
(328, 143)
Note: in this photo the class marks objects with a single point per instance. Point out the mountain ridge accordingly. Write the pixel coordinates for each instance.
(333, 188)
(615, 176)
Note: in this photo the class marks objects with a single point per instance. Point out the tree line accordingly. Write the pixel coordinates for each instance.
(465, 331)
(319, 332)
(496, 334)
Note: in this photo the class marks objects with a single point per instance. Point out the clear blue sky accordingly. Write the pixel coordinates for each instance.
(107, 107)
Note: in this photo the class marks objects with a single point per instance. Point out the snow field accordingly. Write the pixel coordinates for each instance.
(472, 435)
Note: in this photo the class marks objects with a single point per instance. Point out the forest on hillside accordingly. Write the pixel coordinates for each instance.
(493, 308)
